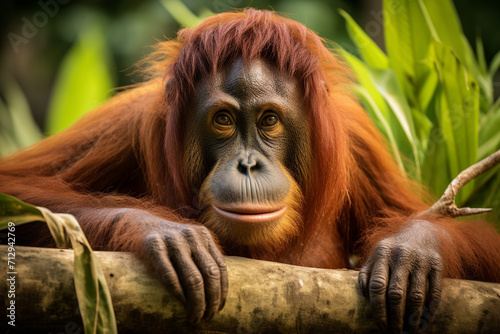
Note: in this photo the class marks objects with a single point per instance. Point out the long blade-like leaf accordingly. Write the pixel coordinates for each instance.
(181, 13)
(459, 112)
(370, 52)
(407, 38)
(390, 89)
(16, 121)
(90, 283)
(84, 80)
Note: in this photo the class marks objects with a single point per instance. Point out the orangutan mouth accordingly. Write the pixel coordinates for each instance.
(254, 214)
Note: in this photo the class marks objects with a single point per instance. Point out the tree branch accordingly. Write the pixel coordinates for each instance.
(446, 204)
(264, 297)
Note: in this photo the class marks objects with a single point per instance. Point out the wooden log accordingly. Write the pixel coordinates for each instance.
(264, 297)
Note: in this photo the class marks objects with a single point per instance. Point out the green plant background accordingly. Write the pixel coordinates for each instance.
(426, 78)
(431, 95)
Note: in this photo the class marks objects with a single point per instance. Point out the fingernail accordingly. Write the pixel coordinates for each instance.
(222, 305)
(210, 317)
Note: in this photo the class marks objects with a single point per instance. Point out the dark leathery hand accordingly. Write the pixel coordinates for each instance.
(190, 266)
(403, 278)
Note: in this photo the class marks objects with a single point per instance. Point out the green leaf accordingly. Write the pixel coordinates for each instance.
(13, 210)
(91, 288)
(495, 64)
(92, 291)
(445, 26)
(435, 174)
(489, 132)
(407, 39)
(7, 133)
(17, 126)
(381, 121)
(491, 144)
(370, 52)
(480, 55)
(181, 13)
(84, 80)
(8, 145)
(458, 112)
(443, 19)
(388, 86)
(480, 75)
(377, 108)
(492, 111)
(362, 72)
(423, 126)
(316, 15)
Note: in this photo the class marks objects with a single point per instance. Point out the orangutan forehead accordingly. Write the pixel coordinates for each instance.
(258, 76)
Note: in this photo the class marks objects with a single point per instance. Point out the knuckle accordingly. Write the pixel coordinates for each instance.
(363, 279)
(416, 297)
(203, 230)
(439, 268)
(378, 285)
(153, 243)
(384, 245)
(364, 270)
(395, 294)
(171, 236)
(410, 252)
(152, 239)
(195, 281)
(401, 254)
(212, 272)
(408, 249)
(223, 268)
(189, 232)
(400, 249)
(383, 248)
(196, 233)
(436, 260)
(207, 236)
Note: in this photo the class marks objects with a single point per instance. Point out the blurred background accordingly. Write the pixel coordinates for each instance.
(42, 33)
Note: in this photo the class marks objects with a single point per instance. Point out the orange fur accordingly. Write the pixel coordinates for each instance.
(130, 153)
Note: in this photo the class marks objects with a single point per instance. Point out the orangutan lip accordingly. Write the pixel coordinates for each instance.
(251, 214)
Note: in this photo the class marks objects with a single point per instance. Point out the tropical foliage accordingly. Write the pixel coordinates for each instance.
(430, 95)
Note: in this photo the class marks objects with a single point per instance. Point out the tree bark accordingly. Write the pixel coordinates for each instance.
(264, 297)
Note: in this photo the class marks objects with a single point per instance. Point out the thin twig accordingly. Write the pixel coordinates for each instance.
(446, 204)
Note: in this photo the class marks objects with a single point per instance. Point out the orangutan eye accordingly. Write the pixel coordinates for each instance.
(223, 118)
(269, 119)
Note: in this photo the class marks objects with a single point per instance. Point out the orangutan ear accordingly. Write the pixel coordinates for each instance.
(170, 83)
(326, 86)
